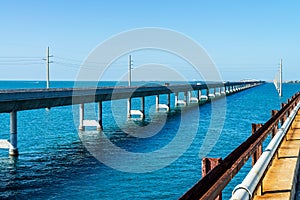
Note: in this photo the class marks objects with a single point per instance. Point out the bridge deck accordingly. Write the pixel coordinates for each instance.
(16, 100)
(281, 178)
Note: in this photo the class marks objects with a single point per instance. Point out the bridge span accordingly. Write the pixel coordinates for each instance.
(12, 101)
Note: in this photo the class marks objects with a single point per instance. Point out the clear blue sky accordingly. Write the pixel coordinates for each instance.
(245, 39)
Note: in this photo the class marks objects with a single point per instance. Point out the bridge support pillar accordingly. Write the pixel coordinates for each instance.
(178, 102)
(192, 98)
(143, 107)
(186, 97)
(223, 90)
(157, 102)
(135, 113)
(94, 123)
(159, 106)
(129, 108)
(169, 100)
(100, 127)
(13, 150)
(81, 117)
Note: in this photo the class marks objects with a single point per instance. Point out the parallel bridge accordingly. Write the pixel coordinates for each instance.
(12, 101)
(27, 99)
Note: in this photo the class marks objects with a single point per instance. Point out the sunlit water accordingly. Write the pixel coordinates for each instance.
(54, 164)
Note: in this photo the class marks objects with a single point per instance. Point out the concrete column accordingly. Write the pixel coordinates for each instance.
(186, 96)
(129, 108)
(198, 94)
(143, 107)
(169, 100)
(176, 98)
(100, 127)
(81, 117)
(157, 102)
(13, 150)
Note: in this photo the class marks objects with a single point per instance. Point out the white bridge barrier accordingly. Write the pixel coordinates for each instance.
(5, 144)
(163, 107)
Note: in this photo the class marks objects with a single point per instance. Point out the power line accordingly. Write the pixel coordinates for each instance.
(19, 59)
(8, 57)
(80, 61)
(21, 64)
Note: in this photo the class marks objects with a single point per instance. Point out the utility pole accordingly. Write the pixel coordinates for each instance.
(280, 79)
(48, 68)
(129, 70)
(129, 84)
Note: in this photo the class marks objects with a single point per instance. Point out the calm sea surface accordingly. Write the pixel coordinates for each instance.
(54, 164)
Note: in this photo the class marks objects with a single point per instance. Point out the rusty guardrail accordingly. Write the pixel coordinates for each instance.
(211, 185)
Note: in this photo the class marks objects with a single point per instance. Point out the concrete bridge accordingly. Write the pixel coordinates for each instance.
(12, 101)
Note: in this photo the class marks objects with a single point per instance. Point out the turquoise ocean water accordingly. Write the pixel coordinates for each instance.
(54, 164)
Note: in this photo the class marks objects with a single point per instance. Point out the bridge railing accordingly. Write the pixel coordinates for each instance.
(213, 183)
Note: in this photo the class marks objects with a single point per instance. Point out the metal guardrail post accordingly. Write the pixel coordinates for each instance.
(207, 165)
(275, 129)
(259, 149)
